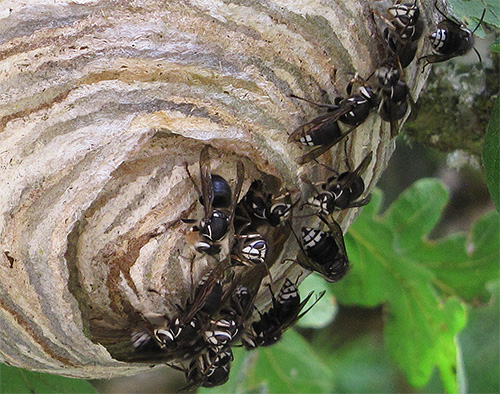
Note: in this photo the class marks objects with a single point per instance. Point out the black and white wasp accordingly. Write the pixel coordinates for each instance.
(341, 191)
(403, 29)
(142, 341)
(323, 132)
(394, 96)
(175, 339)
(218, 202)
(182, 335)
(286, 309)
(324, 251)
(450, 39)
(262, 208)
(221, 332)
(209, 369)
(238, 305)
(252, 248)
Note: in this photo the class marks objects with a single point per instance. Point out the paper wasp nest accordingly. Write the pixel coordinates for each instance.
(101, 105)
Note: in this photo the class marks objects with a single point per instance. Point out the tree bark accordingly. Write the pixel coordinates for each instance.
(102, 103)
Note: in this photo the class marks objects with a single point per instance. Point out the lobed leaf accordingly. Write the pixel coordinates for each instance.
(416, 212)
(461, 272)
(418, 281)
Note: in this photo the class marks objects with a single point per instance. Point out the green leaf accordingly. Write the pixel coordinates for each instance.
(325, 309)
(470, 12)
(480, 343)
(17, 380)
(363, 357)
(290, 366)
(495, 45)
(416, 281)
(491, 154)
(459, 271)
(416, 212)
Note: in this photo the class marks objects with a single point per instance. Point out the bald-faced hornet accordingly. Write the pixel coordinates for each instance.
(450, 39)
(254, 249)
(351, 111)
(404, 28)
(285, 311)
(262, 208)
(180, 337)
(239, 299)
(250, 249)
(143, 341)
(218, 202)
(209, 369)
(324, 251)
(405, 20)
(182, 334)
(342, 191)
(221, 332)
(394, 96)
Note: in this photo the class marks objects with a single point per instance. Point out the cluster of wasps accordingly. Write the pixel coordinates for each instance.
(221, 312)
(389, 96)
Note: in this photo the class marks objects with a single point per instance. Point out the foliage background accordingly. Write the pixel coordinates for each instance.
(419, 311)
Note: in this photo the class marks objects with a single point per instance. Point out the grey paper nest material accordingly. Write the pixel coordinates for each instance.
(101, 104)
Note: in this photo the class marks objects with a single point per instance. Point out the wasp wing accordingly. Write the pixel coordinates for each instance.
(348, 180)
(313, 125)
(320, 121)
(204, 292)
(300, 314)
(240, 178)
(337, 234)
(207, 191)
(303, 303)
(315, 153)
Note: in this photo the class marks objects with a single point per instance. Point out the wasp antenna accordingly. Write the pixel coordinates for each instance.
(175, 367)
(334, 79)
(386, 21)
(186, 166)
(313, 185)
(322, 218)
(441, 12)
(426, 64)
(191, 265)
(348, 161)
(326, 166)
(298, 277)
(478, 55)
(478, 24)
(320, 295)
(271, 280)
(273, 298)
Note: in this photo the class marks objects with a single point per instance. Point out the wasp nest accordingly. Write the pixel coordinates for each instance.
(105, 108)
